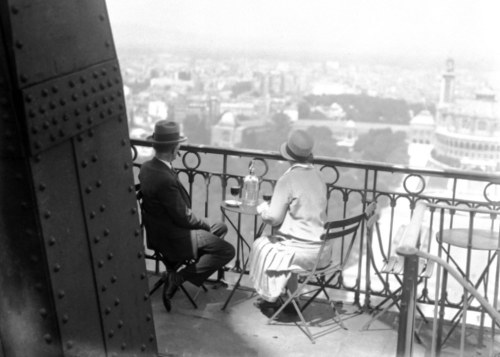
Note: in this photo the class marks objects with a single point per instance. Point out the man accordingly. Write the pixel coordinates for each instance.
(172, 227)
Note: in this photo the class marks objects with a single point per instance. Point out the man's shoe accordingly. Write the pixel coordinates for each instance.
(171, 285)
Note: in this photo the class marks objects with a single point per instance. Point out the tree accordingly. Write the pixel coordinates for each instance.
(324, 143)
(383, 145)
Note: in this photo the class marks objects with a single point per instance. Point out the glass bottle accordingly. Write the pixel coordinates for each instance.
(250, 192)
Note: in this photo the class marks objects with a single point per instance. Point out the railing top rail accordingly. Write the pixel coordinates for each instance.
(463, 209)
(338, 162)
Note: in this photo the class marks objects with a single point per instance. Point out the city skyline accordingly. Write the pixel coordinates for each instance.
(383, 29)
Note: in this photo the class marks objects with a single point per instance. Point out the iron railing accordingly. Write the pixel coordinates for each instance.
(209, 172)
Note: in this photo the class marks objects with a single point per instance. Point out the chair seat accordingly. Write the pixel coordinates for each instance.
(395, 265)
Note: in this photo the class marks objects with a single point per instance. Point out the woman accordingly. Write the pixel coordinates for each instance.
(298, 207)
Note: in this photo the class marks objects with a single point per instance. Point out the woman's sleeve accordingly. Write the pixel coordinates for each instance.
(280, 202)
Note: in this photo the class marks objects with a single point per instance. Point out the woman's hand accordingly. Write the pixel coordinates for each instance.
(264, 206)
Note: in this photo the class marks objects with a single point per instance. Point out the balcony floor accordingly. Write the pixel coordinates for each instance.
(242, 329)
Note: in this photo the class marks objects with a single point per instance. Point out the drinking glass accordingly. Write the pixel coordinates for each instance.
(267, 197)
(235, 191)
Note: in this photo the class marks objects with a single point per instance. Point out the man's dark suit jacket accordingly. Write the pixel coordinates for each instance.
(170, 223)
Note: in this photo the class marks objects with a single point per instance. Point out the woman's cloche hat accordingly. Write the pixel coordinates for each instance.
(166, 132)
(298, 147)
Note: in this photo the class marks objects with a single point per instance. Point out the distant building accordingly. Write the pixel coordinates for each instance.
(233, 131)
(467, 130)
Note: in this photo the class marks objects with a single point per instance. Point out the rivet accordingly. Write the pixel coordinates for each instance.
(94, 158)
(126, 166)
(52, 105)
(104, 72)
(54, 121)
(82, 79)
(120, 323)
(48, 338)
(29, 98)
(52, 137)
(133, 210)
(65, 117)
(15, 10)
(45, 92)
(131, 188)
(143, 347)
(137, 232)
(57, 268)
(88, 107)
(24, 204)
(69, 345)
(38, 158)
(151, 338)
(78, 125)
(95, 74)
(117, 302)
(23, 78)
(71, 83)
(102, 115)
(110, 255)
(79, 138)
(34, 258)
(96, 104)
(143, 276)
(100, 264)
(41, 109)
(107, 310)
(103, 288)
(91, 133)
(34, 130)
(85, 93)
(107, 44)
(88, 189)
(92, 214)
(114, 279)
(31, 113)
(110, 111)
(46, 125)
(120, 118)
(97, 239)
(62, 102)
(47, 214)
(106, 232)
(111, 333)
(93, 89)
(98, 183)
(110, 84)
(43, 312)
(39, 286)
(102, 85)
(146, 296)
(65, 318)
(77, 112)
(148, 317)
(74, 97)
(104, 100)
(102, 17)
(55, 89)
(84, 163)
(42, 187)
(61, 133)
(123, 346)
(61, 294)
(52, 241)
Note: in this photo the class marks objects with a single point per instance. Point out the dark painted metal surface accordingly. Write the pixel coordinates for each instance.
(72, 271)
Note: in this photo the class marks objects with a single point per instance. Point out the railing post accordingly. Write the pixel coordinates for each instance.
(408, 302)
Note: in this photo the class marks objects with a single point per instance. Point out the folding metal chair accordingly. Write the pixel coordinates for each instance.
(169, 265)
(322, 276)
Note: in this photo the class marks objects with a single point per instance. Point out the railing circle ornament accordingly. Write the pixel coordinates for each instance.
(492, 193)
(414, 184)
(135, 152)
(332, 178)
(189, 157)
(264, 167)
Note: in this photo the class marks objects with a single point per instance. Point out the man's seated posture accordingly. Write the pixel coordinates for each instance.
(172, 228)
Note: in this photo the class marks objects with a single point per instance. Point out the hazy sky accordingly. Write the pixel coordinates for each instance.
(437, 28)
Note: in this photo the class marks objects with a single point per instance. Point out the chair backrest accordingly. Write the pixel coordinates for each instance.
(347, 228)
(140, 196)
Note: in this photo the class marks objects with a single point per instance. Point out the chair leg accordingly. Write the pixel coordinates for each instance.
(188, 296)
(158, 284)
(291, 299)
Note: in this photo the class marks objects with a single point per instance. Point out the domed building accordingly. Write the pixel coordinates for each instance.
(467, 132)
